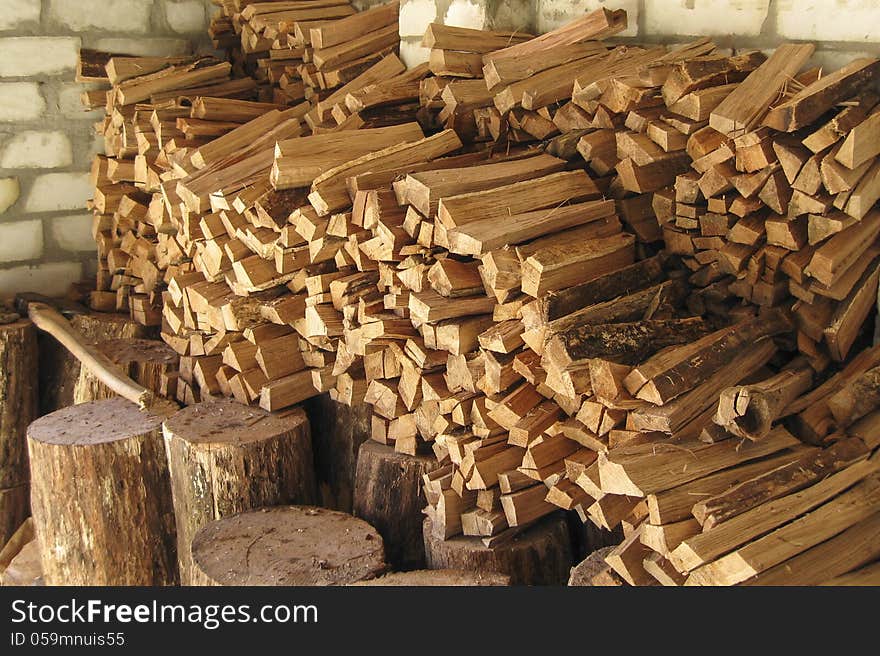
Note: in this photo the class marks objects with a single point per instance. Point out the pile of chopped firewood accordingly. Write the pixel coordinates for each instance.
(627, 282)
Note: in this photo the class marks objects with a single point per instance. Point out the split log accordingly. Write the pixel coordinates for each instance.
(593, 571)
(749, 411)
(143, 360)
(287, 545)
(227, 458)
(539, 555)
(18, 408)
(387, 494)
(119, 528)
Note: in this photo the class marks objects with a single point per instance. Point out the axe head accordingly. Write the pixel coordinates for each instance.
(65, 307)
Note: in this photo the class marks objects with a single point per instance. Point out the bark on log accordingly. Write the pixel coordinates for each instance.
(438, 577)
(226, 458)
(18, 408)
(143, 360)
(337, 433)
(287, 545)
(540, 555)
(388, 495)
(59, 370)
(101, 496)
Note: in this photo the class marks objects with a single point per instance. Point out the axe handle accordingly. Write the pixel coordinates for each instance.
(48, 319)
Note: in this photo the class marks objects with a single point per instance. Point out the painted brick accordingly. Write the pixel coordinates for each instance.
(185, 16)
(513, 15)
(415, 16)
(412, 53)
(142, 47)
(556, 13)
(812, 20)
(9, 192)
(34, 149)
(72, 232)
(18, 12)
(467, 13)
(52, 192)
(831, 59)
(23, 56)
(21, 101)
(107, 15)
(21, 240)
(705, 17)
(51, 279)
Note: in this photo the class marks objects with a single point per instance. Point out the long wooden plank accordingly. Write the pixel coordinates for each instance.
(815, 99)
(656, 469)
(724, 538)
(828, 520)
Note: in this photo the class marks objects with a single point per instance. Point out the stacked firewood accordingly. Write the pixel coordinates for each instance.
(510, 306)
(158, 111)
(778, 204)
(305, 49)
(764, 510)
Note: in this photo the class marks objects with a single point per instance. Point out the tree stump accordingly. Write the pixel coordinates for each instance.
(18, 408)
(540, 555)
(59, 370)
(287, 545)
(438, 577)
(226, 458)
(388, 494)
(337, 433)
(101, 496)
(143, 360)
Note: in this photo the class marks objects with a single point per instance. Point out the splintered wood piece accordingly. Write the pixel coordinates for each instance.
(225, 458)
(815, 99)
(812, 466)
(287, 545)
(724, 538)
(673, 416)
(99, 437)
(651, 469)
(746, 105)
(854, 547)
(676, 504)
(627, 559)
(794, 538)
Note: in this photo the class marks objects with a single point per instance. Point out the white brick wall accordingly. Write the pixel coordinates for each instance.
(185, 16)
(37, 55)
(33, 149)
(21, 240)
(18, 13)
(52, 192)
(9, 193)
(46, 137)
(72, 232)
(705, 17)
(50, 278)
(813, 20)
(21, 101)
(105, 15)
